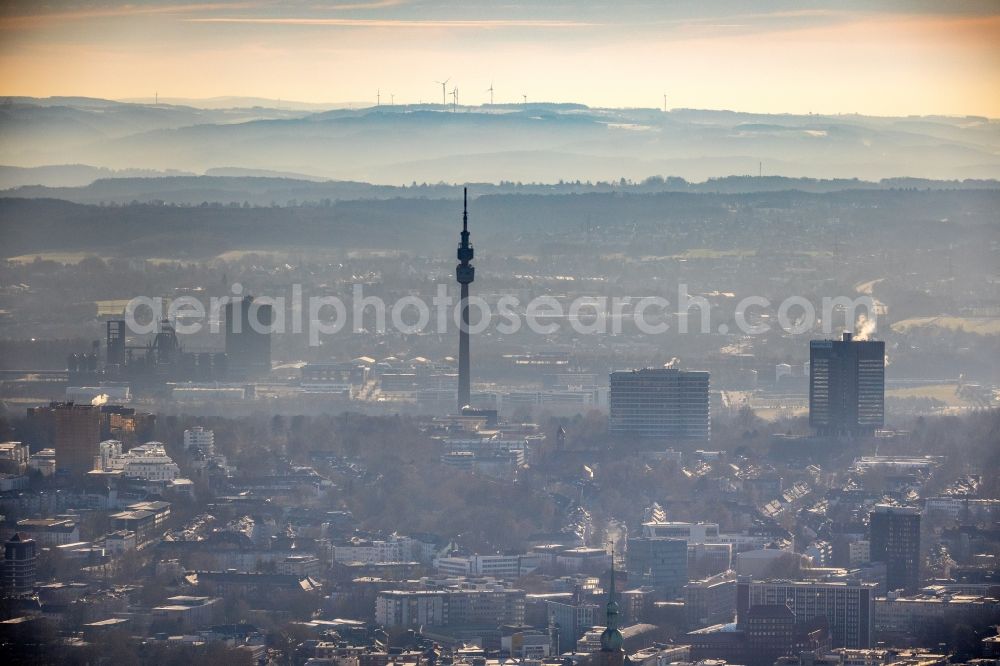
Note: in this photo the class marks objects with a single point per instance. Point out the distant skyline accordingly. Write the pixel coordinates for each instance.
(880, 58)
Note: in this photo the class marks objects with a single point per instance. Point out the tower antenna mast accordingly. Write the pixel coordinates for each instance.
(465, 274)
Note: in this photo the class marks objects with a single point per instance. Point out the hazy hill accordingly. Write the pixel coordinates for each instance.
(70, 175)
(511, 222)
(262, 188)
(533, 142)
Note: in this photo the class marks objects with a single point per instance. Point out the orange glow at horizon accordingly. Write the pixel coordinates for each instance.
(829, 62)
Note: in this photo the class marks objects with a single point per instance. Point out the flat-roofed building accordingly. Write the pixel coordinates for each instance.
(412, 608)
(14, 457)
(710, 601)
(140, 523)
(690, 532)
(187, 612)
(660, 403)
(50, 532)
(897, 615)
(849, 607)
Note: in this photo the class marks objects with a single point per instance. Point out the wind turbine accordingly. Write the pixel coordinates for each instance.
(378, 97)
(664, 103)
(454, 99)
(392, 99)
(490, 91)
(525, 98)
(444, 95)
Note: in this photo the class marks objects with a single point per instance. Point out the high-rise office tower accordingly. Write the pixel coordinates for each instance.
(659, 562)
(74, 431)
(17, 575)
(846, 385)
(248, 337)
(895, 540)
(663, 403)
(465, 273)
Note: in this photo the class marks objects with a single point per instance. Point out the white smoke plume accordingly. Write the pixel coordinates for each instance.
(865, 328)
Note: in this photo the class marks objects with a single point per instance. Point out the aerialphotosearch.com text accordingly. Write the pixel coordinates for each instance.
(325, 315)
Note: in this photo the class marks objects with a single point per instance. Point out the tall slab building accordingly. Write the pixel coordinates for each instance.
(895, 540)
(248, 337)
(659, 403)
(74, 431)
(846, 386)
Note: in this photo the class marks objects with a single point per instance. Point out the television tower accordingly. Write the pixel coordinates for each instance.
(465, 274)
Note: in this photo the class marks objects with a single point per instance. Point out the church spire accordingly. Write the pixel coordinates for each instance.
(611, 638)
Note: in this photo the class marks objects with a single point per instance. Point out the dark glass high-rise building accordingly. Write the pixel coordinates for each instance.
(895, 540)
(846, 386)
(659, 562)
(248, 337)
(659, 403)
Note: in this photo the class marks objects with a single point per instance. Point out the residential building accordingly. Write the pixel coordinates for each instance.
(300, 565)
(199, 438)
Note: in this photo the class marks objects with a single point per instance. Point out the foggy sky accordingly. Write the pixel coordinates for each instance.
(885, 58)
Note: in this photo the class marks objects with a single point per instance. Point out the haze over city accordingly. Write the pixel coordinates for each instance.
(425, 333)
